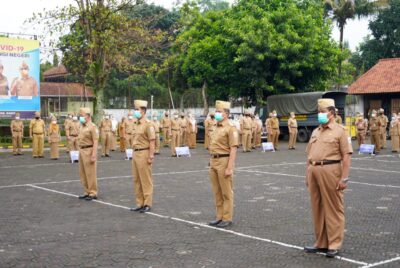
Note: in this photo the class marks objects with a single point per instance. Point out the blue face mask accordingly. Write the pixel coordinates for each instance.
(137, 114)
(323, 118)
(82, 120)
(218, 117)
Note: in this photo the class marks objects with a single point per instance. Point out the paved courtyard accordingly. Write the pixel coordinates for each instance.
(43, 224)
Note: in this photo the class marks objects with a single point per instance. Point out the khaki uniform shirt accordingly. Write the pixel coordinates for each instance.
(268, 125)
(88, 134)
(175, 125)
(130, 126)
(192, 126)
(157, 126)
(3, 85)
(384, 122)
(17, 126)
(24, 87)
(329, 143)
(374, 124)
(292, 124)
(54, 133)
(183, 123)
(105, 125)
(37, 126)
(73, 128)
(165, 122)
(144, 133)
(361, 124)
(395, 128)
(246, 123)
(274, 123)
(224, 137)
(121, 129)
(66, 122)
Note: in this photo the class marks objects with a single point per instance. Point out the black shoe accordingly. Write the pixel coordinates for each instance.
(173, 155)
(214, 223)
(20, 154)
(41, 156)
(315, 250)
(332, 253)
(136, 209)
(90, 197)
(145, 209)
(83, 196)
(103, 155)
(224, 224)
(107, 155)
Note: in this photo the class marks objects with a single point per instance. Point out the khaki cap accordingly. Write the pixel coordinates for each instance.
(222, 104)
(84, 110)
(37, 113)
(140, 103)
(17, 114)
(292, 113)
(155, 114)
(325, 103)
(381, 110)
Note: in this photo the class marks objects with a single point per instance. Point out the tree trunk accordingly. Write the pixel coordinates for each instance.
(169, 89)
(98, 105)
(341, 28)
(204, 95)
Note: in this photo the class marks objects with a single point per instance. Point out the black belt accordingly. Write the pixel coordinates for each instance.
(219, 155)
(142, 149)
(86, 146)
(74, 135)
(37, 133)
(361, 129)
(174, 129)
(325, 162)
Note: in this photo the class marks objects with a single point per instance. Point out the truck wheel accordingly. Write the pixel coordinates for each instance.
(302, 135)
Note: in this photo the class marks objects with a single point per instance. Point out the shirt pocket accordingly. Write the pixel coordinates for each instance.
(330, 140)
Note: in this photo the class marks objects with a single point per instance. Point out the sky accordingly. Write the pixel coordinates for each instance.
(13, 14)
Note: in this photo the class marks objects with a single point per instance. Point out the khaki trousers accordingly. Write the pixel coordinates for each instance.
(206, 139)
(17, 142)
(361, 137)
(183, 140)
(376, 140)
(157, 149)
(175, 141)
(253, 138)
(246, 140)
(88, 172)
(327, 205)
(122, 144)
(37, 144)
(192, 140)
(275, 138)
(113, 143)
(73, 143)
(167, 139)
(258, 139)
(54, 150)
(222, 188)
(142, 179)
(293, 138)
(395, 143)
(129, 141)
(383, 138)
(106, 142)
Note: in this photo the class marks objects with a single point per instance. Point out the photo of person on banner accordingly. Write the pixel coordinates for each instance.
(4, 90)
(25, 85)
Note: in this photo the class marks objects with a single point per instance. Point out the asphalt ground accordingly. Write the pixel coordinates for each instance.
(43, 224)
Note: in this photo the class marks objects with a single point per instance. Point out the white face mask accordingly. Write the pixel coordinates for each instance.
(74, 118)
(54, 122)
(373, 115)
(130, 117)
(154, 118)
(17, 117)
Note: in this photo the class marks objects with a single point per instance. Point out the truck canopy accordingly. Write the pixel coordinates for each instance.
(301, 103)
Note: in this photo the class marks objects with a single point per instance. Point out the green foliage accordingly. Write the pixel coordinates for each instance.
(44, 67)
(255, 49)
(385, 39)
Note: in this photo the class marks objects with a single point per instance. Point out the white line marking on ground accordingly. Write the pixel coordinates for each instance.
(54, 164)
(198, 224)
(381, 262)
(281, 164)
(374, 169)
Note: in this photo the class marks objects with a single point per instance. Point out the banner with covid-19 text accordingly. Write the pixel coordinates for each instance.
(19, 77)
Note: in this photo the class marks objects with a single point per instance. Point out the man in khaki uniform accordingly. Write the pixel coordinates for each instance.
(192, 131)
(37, 131)
(166, 127)
(54, 138)
(274, 123)
(209, 125)
(338, 118)
(106, 136)
(122, 135)
(292, 126)
(157, 127)
(258, 132)
(395, 132)
(253, 131)
(129, 130)
(375, 131)
(25, 86)
(328, 162)
(17, 133)
(245, 129)
(114, 132)
(184, 125)
(268, 127)
(3, 82)
(72, 133)
(88, 141)
(175, 134)
(384, 122)
(361, 126)
(144, 147)
(67, 121)
(223, 149)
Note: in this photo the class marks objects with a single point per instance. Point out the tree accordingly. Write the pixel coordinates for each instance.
(56, 61)
(343, 10)
(100, 38)
(385, 39)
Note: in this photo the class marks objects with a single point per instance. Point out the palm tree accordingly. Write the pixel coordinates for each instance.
(343, 10)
